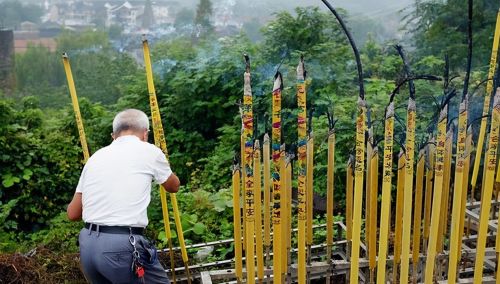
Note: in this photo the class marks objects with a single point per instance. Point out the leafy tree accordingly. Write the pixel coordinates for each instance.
(13, 12)
(184, 18)
(439, 28)
(202, 20)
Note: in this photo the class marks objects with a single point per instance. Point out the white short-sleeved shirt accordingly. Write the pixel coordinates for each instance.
(116, 182)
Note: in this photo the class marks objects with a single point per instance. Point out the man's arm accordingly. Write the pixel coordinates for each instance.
(75, 207)
(172, 184)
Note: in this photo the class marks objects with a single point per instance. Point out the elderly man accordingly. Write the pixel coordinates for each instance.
(112, 197)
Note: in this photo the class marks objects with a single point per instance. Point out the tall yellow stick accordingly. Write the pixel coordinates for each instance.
(258, 212)
(369, 152)
(358, 190)
(398, 222)
(76, 108)
(408, 189)
(267, 200)
(238, 264)
(310, 194)
(385, 207)
(456, 237)
(465, 185)
(284, 212)
(372, 253)
(276, 144)
(443, 228)
(349, 201)
(248, 177)
(159, 137)
(417, 223)
(289, 217)
(436, 200)
(429, 177)
(491, 159)
(486, 105)
(302, 171)
(330, 195)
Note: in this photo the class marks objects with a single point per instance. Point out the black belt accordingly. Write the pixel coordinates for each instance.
(115, 229)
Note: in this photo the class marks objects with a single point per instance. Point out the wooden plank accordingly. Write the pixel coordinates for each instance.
(205, 277)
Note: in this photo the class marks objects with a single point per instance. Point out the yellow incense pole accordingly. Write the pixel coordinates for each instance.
(349, 202)
(289, 216)
(310, 195)
(248, 177)
(385, 207)
(436, 200)
(329, 194)
(159, 137)
(238, 264)
(372, 242)
(398, 222)
(456, 237)
(417, 223)
(267, 199)
(429, 177)
(243, 174)
(284, 212)
(486, 105)
(301, 168)
(408, 190)
(465, 183)
(359, 168)
(443, 228)
(487, 189)
(258, 212)
(76, 108)
(276, 144)
(369, 152)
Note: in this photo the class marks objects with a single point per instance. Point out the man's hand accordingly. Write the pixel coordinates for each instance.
(172, 184)
(75, 207)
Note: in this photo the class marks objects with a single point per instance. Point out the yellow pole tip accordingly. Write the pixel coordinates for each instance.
(144, 39)
(64, 55)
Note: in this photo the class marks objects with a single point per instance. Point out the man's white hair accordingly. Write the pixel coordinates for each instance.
(130, 119)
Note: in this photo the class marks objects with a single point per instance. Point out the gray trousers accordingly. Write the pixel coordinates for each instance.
(107, 258)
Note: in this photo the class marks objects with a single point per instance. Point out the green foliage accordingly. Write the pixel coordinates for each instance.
(202, 20)
(13, 13)
(439, 28)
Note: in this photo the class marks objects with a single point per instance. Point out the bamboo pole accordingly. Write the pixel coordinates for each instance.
(243, 174)
(237, 224)
(310, 195)
(358, 190)
(385, 207)
(159, 137)
(417, 223)
(276, 142)
(456, 237)
(398, 222)
(330, 195)
(258, 212)
(372, 253)
(486, 105)
(302, 177)
(408, 190)
(267, 198)
(436, 200)
(429, 181)
(248, 177)
(488, 188)
(76, 107)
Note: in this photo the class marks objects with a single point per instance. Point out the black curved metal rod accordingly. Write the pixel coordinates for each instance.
(469, 52)
(354, 48)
